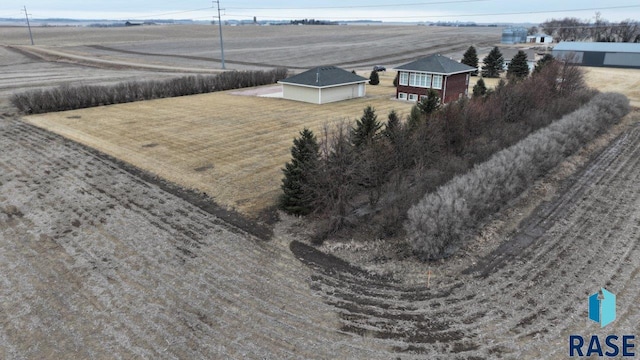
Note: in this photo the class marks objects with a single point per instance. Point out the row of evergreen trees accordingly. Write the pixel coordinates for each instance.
(493, 63)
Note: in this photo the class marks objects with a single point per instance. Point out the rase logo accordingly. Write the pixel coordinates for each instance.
(602, 309)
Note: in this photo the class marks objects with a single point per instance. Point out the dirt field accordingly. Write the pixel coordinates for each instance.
(99, 264)
(352, 47)
(100, 261)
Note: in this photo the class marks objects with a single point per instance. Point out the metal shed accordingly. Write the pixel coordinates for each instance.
(620, 55)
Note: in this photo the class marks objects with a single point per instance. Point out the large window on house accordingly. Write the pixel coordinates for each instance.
(403, 79)
(437, 81)
(420, 80)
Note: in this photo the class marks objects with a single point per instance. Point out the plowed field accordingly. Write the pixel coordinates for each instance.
(99, 259)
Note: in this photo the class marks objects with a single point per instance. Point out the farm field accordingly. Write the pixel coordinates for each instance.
(99, 261)
(351, 47)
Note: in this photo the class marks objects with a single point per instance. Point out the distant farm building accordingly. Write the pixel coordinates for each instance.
(602, 54)
(514, 35)
(448, 77)
(508, 55)
(323, 85)
(540, 39)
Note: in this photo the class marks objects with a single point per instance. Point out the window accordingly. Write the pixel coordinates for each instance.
(413, 97)
(404, 79)
(437, 81)
(420, 80)
(402, 96)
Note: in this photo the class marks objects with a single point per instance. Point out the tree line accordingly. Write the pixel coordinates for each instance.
(67, 97)
(365, 177)
(600, 30)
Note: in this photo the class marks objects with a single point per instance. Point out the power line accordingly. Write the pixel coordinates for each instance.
(356, 6)
(170, 13)
(475, 15)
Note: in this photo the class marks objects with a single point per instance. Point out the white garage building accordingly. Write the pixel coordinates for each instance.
(323, 85)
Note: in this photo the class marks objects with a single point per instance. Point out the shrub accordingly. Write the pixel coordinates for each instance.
(441, 222)
(374, 78)
(479, 89)
(66, 97)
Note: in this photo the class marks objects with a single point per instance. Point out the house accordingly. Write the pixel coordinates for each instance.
(514, 35)
(323, 84)
(540, 39)
(448, 77)
(603, 54)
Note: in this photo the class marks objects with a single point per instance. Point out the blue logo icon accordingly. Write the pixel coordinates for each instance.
(602, 307)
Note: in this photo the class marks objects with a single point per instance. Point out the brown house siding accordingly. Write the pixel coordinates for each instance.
(452, 87)
(457, 86)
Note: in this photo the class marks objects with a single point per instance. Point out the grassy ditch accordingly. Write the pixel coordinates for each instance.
(442, 221)
(67, 97)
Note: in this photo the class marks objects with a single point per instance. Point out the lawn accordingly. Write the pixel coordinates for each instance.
(229, 146)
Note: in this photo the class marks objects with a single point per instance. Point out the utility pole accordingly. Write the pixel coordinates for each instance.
(28, 25)
(220, 27)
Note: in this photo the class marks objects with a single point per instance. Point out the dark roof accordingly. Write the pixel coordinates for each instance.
(436, 64)
(324, 76)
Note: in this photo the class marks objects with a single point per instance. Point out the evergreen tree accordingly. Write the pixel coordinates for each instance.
(493, 64)
(366, 128)
(429, 103)
(395, 80)
(546, 59)
(470, 58)
(374, 79)
(415, 117)
(518, 67)
(393, 124)
(296, 196)
(479, 89)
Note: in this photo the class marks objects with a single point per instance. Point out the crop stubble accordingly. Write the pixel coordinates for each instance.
(97, 263)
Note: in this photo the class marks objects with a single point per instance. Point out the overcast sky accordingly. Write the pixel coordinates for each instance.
(481, 11)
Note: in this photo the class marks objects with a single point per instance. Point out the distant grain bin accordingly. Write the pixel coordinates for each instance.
(602, 54)
(514, 35)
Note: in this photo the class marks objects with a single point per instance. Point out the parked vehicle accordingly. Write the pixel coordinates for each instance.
(379, 68)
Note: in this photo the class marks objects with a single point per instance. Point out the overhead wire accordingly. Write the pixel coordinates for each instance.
(356, 6)
(477, 15)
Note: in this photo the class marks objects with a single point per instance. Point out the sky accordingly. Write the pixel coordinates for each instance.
(479, 11)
